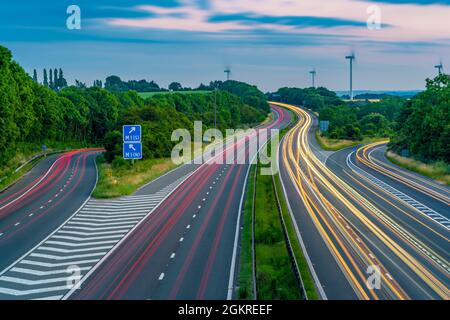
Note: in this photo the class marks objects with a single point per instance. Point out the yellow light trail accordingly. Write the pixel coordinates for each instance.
(350, 251)
(363, 156)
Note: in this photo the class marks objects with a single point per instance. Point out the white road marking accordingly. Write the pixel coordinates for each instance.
(85, 239)
(161, 276)
(172, 256)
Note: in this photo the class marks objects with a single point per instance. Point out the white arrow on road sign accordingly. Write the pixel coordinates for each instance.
(133, 129)
(132, 147)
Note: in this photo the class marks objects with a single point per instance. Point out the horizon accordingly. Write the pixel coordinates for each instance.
(268, 44)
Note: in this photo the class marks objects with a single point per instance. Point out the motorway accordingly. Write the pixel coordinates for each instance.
(187, 248)
(357, 213)
(44, 198)
(176, 237)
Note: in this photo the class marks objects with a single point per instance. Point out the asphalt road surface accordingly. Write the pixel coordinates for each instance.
(352, 219)
(186, 249)
(45, 197)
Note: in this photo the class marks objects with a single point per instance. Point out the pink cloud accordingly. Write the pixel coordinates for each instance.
(407, 22)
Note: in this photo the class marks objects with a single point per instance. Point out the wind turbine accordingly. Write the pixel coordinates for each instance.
(351, 58)
(313, 74)
(228, 72)
(440, 67)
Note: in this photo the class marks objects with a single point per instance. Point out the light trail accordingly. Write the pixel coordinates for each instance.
(364, 156)
(343, 217)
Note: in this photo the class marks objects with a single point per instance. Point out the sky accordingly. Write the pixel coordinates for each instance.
(269, 43)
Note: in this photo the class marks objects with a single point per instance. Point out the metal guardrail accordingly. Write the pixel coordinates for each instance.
(27, 162)
(294, 263)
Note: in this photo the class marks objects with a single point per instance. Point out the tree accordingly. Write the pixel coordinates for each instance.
(51, 83)
(375, 124)
(80, 84)
(98, 83)
(62, 82)
(175, 86)
(55, 79)
(45, 78)
(35, 78)
(31, 113)
(115, 84)
(422, 126)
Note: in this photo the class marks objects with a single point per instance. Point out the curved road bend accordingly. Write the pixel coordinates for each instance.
(359, 226)
(185, 249)
(415, 208)
(43, 199)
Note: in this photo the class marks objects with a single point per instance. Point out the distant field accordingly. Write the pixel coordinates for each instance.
(146, 95)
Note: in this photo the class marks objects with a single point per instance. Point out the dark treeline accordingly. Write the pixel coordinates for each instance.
(115, 84)
(347, 120)
(53, 79)
(423, 125)
(420, 125)
(311, 98)
(161, 114)
(34, 114)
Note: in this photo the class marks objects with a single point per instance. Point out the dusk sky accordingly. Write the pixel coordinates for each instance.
(270, 43)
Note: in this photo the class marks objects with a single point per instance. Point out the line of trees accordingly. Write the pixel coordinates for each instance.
(115, 84)
(420, 125)
(34, 114)
(347, 120)
(54, 79)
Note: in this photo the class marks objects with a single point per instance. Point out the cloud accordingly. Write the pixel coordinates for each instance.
(405, 21)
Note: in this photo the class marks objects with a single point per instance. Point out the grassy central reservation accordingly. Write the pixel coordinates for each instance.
(115, 182)
(275, 277)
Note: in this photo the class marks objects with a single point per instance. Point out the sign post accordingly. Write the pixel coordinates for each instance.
(132, 145)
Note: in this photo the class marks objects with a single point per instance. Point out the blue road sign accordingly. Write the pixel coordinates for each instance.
(132, 150)
(132, 133)
(324, 126)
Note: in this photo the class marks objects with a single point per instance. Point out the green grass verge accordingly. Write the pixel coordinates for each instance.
(146, 95)
(121, 180)
(339, 144)
(245, 279)
(439, 171)
(14, 176)
(275, 277)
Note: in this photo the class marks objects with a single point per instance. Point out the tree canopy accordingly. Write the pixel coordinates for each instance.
(423, 126)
